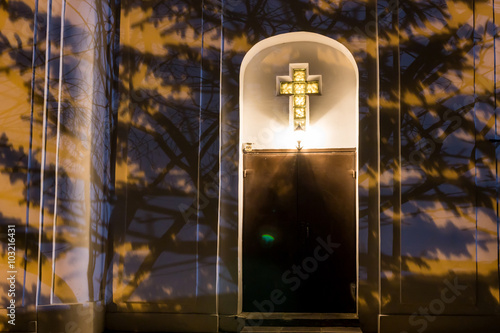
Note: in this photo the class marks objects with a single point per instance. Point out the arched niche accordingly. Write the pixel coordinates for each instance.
(265, 115)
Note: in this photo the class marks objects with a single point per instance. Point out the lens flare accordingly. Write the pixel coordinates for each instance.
(267, 239)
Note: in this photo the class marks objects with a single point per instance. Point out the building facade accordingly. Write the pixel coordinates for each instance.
(122, 145)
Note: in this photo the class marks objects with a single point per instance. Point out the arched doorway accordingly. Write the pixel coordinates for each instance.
(298, 200)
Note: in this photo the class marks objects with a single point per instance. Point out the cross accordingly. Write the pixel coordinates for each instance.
(299, 85)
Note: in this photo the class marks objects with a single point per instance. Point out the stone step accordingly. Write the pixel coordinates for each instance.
(268, 329)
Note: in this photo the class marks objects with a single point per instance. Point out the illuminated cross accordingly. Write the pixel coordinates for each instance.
(299, 85)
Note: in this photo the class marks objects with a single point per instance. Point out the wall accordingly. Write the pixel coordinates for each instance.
(15, 79)
(165, 220)
(175, 223)
(427, 168)
(438, 217)
(427, 181)
(56, 130)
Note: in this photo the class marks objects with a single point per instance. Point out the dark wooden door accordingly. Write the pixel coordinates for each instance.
(299, 232)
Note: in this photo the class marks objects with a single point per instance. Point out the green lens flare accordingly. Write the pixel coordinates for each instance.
(267, 239)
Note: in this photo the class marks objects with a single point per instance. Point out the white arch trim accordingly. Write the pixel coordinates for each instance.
(300, 36)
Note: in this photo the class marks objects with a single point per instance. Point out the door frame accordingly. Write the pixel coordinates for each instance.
(263, 126)
(240, 214)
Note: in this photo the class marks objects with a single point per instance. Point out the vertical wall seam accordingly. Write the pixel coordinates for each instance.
(106, 199)
(43, 152)
(474, 49)
(377, 75)
(495, 36)
(199, 173)
(399, 165)
(30, 148)
(58, 141)
(219, 215)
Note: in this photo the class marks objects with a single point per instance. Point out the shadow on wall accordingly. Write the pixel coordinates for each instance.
(163, 129)
(55, 151)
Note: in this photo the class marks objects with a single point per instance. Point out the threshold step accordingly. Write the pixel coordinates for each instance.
(256, 319)
(268, 329)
